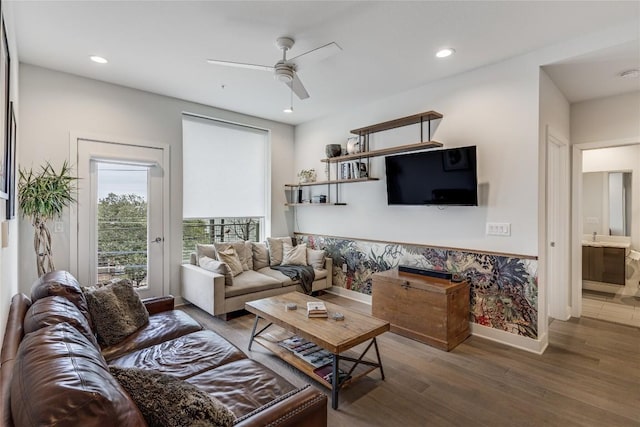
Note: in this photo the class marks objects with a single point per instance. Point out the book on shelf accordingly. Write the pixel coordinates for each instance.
(316, 309)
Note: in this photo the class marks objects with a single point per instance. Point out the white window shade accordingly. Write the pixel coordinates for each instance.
(223, 169)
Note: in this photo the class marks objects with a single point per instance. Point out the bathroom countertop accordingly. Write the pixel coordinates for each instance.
(597, 244)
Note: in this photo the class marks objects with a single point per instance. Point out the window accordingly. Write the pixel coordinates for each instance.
(225, 182)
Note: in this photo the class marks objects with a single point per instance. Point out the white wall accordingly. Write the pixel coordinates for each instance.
(54, 103)
(606, 119)
(495, 108)
(9, 255)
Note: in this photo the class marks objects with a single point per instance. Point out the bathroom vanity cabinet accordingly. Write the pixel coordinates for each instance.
(603, 264)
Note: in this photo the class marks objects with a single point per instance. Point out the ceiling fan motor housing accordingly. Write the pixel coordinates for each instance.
(284, 72)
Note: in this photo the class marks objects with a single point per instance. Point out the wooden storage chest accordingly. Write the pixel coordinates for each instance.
(430, 310)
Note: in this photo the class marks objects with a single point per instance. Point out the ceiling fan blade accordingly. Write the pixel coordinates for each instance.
(316, 55)
(240, 65)
(297, 87)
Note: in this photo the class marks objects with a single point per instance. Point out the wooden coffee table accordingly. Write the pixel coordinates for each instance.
(335, 336)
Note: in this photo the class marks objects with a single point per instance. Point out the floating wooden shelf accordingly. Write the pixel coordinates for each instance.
(385, 151)
(315, 204)
(334, 181)
(396, 123)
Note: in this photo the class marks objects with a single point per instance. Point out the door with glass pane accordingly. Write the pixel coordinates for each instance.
(120, 215)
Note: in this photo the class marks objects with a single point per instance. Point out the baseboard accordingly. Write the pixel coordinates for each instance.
(348, 293)
(178, 301)
(523, 343)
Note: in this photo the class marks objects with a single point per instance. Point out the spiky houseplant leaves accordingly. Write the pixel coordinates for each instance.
(42, 196)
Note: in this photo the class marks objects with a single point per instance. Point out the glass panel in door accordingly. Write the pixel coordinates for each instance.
(122, 222)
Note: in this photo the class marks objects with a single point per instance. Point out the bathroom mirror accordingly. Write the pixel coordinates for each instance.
(606, 203)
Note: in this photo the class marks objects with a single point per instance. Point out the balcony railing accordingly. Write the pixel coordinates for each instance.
(218, 230)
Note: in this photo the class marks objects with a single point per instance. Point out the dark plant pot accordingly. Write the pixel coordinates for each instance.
(333, 150)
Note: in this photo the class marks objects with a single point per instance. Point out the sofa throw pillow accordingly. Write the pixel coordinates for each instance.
(116, 310)
(219, 267)
(260, 255)
(241, 250)
(275, 249)
(205, 250)
(230, 257)
(315, 258)
(168, 401)
(294, 255)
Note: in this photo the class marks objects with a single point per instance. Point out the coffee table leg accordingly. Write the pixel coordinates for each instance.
(334, 383)
(253, 331)
(375, 344)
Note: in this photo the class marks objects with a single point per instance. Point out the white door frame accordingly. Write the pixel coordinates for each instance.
(577, 226)
(557, 225)
(74, 136)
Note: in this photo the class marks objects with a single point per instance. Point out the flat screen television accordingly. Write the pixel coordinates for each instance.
(438, 177)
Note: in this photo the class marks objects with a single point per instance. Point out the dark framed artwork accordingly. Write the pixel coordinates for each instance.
(11, 163)
(5, 67)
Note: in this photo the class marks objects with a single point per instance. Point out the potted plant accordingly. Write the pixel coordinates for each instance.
(307, 175)
(42, 197)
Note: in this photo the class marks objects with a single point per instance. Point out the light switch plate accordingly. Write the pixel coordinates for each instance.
(499, 229)
(58, 227)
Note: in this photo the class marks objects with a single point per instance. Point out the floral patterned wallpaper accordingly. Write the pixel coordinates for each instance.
(504, 289)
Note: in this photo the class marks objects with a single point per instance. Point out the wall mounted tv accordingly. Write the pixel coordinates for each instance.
(438, 177)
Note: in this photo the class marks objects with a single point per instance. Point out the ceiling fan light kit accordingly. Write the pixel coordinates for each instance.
(286, 70)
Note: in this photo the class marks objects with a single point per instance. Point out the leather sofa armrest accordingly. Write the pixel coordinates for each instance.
(159, 304)
(303, 407)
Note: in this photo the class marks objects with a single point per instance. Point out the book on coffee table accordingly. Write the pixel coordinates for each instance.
(316, 309)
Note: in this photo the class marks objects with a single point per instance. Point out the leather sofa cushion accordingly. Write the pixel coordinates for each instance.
(61, 283)
(163, 326)
(61, 379)
(242, 386)
(249, 282)
(183, 357)
(50, 311)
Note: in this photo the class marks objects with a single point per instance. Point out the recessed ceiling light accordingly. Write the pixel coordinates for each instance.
(443, 53)
(288, 110)
(98, 59)
(634, 72)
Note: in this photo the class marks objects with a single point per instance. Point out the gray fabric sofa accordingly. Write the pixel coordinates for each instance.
(207, 290)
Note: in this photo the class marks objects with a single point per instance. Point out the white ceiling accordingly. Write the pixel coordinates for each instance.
(597, 74)
(388, 46)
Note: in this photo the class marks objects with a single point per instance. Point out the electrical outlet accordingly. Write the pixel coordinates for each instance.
(499, 229)
(58, 227)
(344, 267)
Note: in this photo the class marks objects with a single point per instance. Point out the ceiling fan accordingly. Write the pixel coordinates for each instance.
(286, 70)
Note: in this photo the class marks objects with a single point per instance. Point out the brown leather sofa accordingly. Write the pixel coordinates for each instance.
(54, 373)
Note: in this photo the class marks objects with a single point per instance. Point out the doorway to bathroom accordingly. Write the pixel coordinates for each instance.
(606, 229)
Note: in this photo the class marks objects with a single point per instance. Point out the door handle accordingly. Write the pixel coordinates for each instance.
(158, 240)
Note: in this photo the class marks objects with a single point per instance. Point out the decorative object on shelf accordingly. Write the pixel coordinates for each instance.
(353, 145)
(42, 197)
(333, 150)
(307, 175)
(321, 198)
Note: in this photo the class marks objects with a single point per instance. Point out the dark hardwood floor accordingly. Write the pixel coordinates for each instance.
(588, 376)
